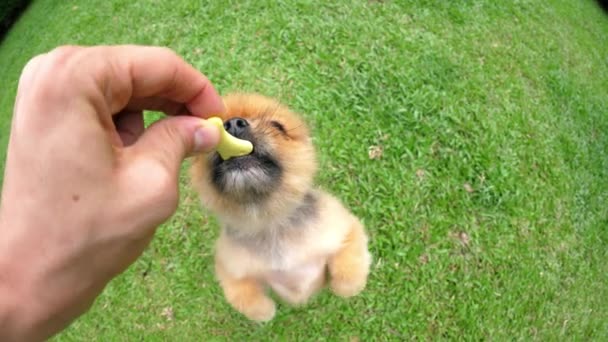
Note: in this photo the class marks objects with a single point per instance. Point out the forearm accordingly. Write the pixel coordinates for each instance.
(33, 307)
(13, 308)
(13, 323)
(30, 316)
(23, 315)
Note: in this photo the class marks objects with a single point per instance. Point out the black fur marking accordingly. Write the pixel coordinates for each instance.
(260, 159)
(305, 212)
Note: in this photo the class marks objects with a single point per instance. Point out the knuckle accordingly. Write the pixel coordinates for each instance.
(171, 132)
(168, 52)
(45, 70)
(61, 55)
(39, 77)
(29, 70)
(172, 62)
(33, 63)
(173, 137)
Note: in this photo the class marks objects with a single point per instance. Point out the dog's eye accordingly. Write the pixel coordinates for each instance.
(278, 126)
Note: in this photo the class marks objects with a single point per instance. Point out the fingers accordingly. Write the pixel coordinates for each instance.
(111, 77)
(170, 140)
(157, 104)
(151, 175)
(158, 72)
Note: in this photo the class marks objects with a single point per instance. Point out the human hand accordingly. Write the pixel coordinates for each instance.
(85, 185)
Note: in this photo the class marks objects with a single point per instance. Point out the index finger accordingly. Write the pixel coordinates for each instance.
(144, 71)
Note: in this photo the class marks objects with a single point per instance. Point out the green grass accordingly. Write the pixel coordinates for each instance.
(487, 210)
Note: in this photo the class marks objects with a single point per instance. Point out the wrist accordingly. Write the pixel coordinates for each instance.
(11, 307)
(19, 319)
(20, 316)
(34, 306)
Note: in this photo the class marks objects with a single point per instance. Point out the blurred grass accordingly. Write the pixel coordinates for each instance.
(487, 209)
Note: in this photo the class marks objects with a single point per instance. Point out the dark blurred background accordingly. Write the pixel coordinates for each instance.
(10, 10)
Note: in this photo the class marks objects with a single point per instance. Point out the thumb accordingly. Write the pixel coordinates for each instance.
(150, 169)
(170, 140)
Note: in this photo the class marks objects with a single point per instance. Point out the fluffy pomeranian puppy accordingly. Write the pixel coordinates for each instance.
(277, 230)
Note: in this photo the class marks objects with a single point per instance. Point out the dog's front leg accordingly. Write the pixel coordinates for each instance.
(349, 267)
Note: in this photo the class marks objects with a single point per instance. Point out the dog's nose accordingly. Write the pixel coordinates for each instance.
(236, 126)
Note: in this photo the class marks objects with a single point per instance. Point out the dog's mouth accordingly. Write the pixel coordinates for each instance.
(256, 159)
(247, 177)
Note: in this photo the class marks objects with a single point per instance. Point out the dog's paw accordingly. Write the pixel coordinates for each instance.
(349, 274)
(348, 286)
(261, 310)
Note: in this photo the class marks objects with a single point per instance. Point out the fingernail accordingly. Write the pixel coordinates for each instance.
(205, 138)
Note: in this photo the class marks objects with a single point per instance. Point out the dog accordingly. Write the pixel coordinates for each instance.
(278, 230)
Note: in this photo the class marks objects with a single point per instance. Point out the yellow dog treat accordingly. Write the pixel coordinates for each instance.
(229, 146)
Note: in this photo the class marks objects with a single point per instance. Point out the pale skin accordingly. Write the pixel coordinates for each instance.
(85, 184)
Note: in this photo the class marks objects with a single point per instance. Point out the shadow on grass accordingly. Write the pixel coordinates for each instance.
(10, 11)
(603, 5)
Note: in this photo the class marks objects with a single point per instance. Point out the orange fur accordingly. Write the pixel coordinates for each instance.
(348, 277)
(246, 295)
(299, 160)
(294, 254)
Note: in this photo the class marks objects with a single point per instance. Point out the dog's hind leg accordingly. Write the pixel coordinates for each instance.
(246, 295)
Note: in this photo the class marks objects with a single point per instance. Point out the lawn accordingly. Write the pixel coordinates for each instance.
(485, 195)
